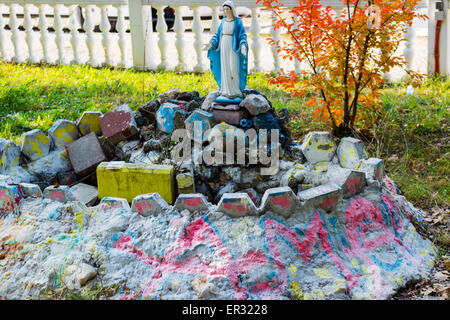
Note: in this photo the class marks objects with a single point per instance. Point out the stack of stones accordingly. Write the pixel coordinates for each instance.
(72, 152)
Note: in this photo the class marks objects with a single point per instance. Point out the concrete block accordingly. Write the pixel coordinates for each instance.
(191, 202)
(318, 146)
(149, 204)
(205, 121)
(303, 186)
(35, 144)
(280, 200)
(61, 193)
(350, 152)
(118, 124)
(85, 193)
(85, 154)
(9, 155)
(90, 122)
(373, 167)
(108, 203)
(185, 182)
(352, 183)
(63, 132)
(237, 205)
(254, 195)
(31, 190)
(128, 180)
(325, 196)
(170, 117)
(10, 196)
(231, 114)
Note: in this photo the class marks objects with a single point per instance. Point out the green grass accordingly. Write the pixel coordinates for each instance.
(412, 138)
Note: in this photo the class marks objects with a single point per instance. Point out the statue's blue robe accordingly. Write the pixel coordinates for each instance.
(239, 38)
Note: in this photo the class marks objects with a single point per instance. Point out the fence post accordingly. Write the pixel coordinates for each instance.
(446, 41)
(137, 30)
(431, 35)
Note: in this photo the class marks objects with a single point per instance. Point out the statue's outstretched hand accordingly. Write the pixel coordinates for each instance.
(207, 46)
(244, 50)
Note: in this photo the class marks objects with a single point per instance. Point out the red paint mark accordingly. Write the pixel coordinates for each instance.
(328, 203)
(56, 195)
(353, 185)
(282, 201)
(177, 259)
(389, 185)
(3, 196)
(142, 206)
(315, 234)
(193, 202)
(230, 206)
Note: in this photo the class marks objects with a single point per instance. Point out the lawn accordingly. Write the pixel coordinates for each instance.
(412, 137)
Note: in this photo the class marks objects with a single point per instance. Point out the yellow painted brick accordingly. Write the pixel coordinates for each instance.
(128, 180)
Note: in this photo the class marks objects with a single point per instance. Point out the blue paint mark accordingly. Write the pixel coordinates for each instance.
(386, 265)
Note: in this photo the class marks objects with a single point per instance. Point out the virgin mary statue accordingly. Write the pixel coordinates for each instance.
(227, 51)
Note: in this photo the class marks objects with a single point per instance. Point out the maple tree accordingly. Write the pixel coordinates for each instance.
(347, 54)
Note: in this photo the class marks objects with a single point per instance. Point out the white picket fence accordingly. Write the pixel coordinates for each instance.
(50, 31)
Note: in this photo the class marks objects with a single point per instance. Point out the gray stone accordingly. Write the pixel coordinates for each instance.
(78, 275)
(124, 149)
(171, 94)
(255, 104)
(153, 144)
(209, 100)
(48, 167)
(85, 193)
(140, 156)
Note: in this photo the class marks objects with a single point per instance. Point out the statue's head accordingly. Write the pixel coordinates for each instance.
(228, 9)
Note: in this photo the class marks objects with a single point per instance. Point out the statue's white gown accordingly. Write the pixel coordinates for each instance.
(229, 63)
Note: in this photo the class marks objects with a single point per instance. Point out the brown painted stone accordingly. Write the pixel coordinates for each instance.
(86, 153)
(231, 114)
(118, 124)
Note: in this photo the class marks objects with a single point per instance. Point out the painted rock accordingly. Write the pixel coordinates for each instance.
(149, 204)
(191, 202)
(35, 144)
(318, 146)
(237, 205)
(9, 155)
(170, 117)
(280, 200)
(63, 132)
(350, 152)
(90, 122)
(197, 123)
(118, 124)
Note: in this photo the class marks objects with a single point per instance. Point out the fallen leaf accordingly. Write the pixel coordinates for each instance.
(446, 260)
(428, 291)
